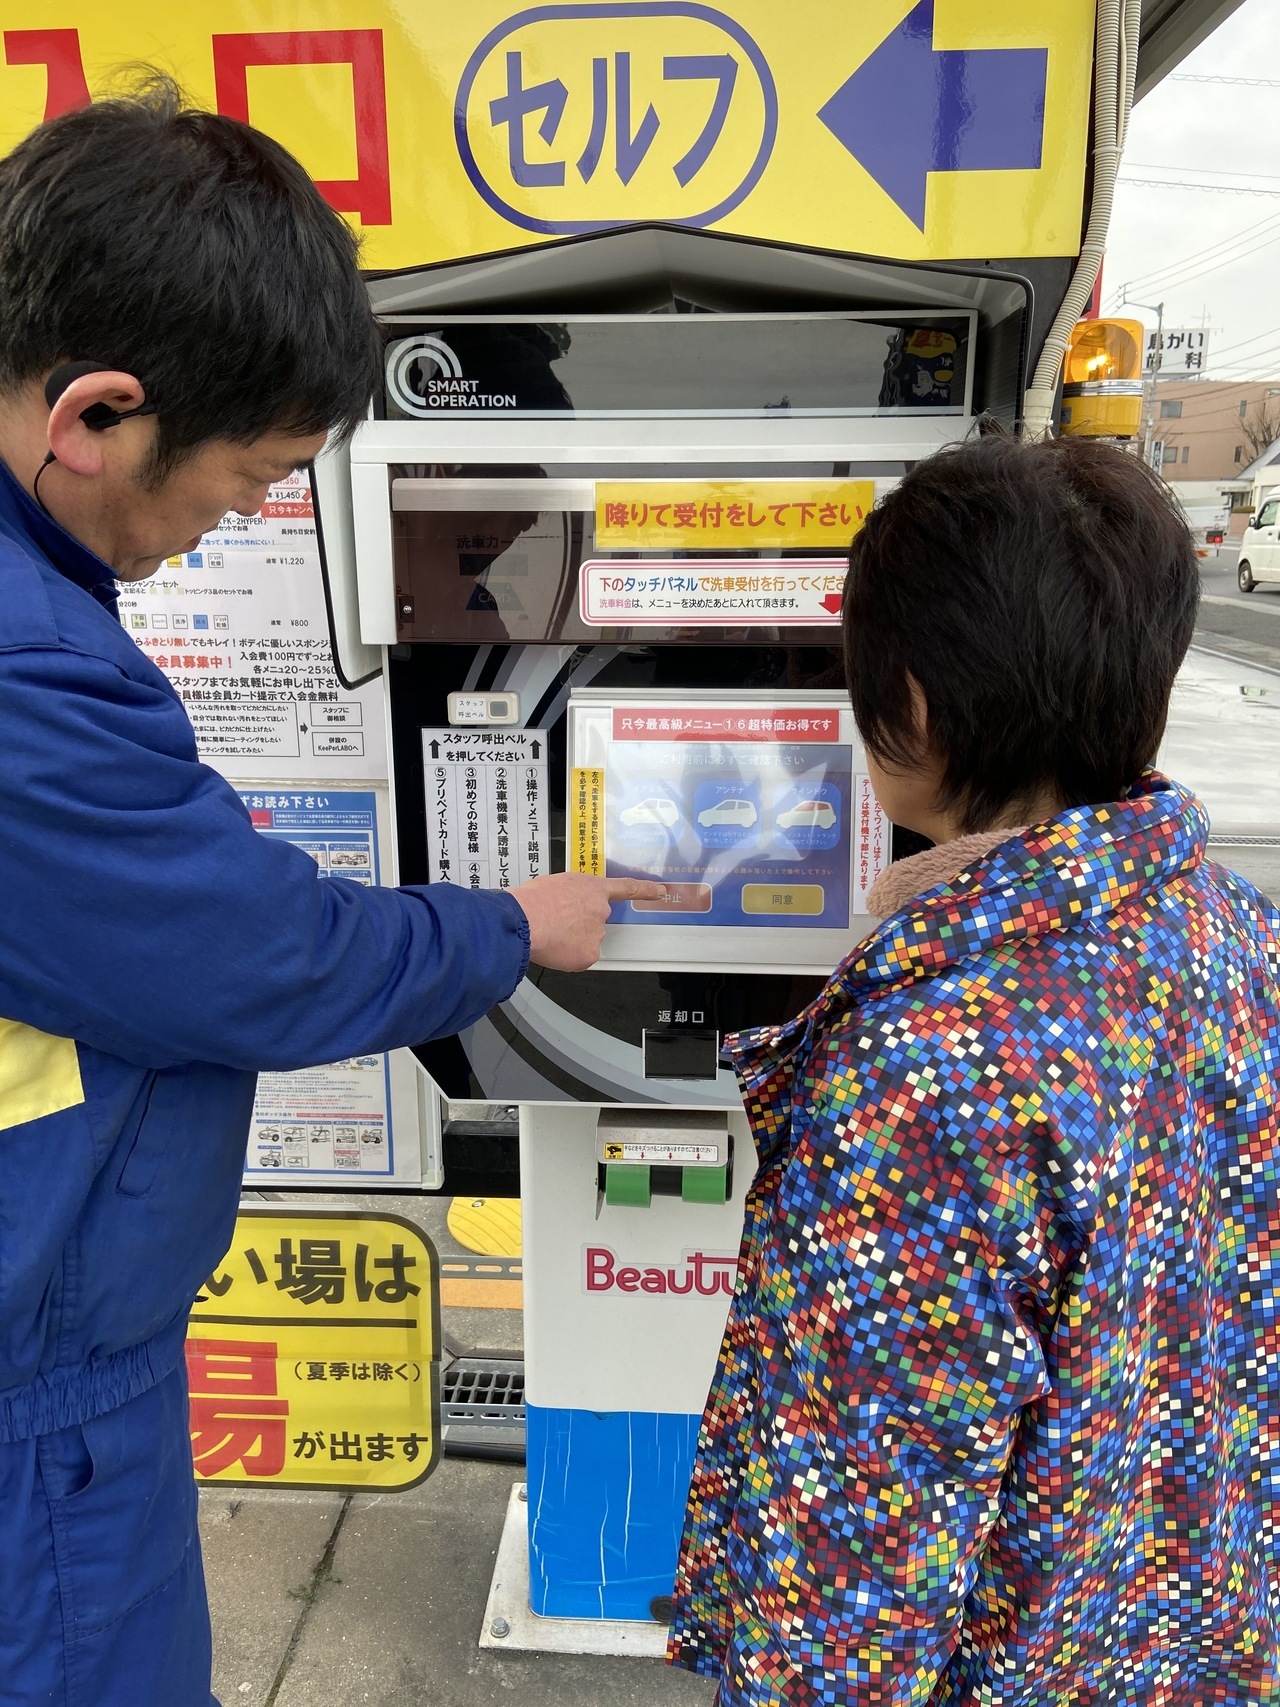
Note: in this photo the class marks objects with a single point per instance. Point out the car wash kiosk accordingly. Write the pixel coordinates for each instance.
(596, 534)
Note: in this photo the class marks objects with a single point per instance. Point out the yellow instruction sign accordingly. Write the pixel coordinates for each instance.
(730, 515)
(586, 822)
(313, 1353)
(923, 131)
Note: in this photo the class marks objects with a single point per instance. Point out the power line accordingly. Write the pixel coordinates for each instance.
(1213, 171)
(1252, 355)
(1235, 82)
(1211, 250)
(1176, 277)
(1192, 184)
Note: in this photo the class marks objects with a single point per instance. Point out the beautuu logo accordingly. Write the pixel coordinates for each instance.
(700, 1274)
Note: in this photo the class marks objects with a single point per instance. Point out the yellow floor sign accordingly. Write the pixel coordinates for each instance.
(313, 1353)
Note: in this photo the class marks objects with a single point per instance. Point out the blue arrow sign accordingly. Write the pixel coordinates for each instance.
(909, 110)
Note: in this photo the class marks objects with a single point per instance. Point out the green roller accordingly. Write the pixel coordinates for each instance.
(626, 1184)
(704, 1185)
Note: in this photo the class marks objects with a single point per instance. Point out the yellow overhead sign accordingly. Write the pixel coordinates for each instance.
(943, 129)
(313, 1350)
(730, 515)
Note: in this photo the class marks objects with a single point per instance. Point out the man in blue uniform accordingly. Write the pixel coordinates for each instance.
(181, 323)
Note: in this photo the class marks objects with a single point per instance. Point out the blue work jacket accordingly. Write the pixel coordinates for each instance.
(156, 953)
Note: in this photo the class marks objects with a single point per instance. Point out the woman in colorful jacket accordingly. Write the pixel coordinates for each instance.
(997, 1417)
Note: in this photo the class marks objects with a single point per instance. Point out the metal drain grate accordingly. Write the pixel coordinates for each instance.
(1227, 840)
(482, 1408)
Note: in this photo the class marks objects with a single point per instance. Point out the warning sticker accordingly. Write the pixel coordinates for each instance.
(586, 822)
(681, 1155)
(728, 592)
(312, 1354)
(486, 805)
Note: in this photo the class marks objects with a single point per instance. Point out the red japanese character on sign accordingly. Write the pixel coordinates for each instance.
(59, 52)
(236, 1417)
(368, 194)
(711, 515)
(615, 515)
(686, 515)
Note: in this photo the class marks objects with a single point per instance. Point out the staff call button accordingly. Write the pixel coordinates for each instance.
(680, 898)
(781, 898)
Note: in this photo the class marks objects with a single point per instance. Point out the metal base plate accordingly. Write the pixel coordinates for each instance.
(509, 1607)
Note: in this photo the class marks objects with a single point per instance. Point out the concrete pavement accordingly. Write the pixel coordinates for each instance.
(325, 1600)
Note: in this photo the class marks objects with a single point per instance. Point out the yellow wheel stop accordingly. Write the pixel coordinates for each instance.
(490, 1226)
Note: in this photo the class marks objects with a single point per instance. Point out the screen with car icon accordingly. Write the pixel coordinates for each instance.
(746, 813)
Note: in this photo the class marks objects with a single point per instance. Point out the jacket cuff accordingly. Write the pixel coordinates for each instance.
(522, 931)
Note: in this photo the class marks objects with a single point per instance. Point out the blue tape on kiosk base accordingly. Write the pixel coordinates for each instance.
(606, 1504)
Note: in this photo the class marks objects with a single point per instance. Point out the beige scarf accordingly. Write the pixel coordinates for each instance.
(909, 877)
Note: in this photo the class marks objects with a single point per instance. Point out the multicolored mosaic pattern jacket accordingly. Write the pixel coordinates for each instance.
(997, 1417)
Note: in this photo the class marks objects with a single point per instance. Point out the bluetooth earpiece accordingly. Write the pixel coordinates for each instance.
(98, 417)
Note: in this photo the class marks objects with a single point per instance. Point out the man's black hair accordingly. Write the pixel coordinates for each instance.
(190, 251)
(1042, 596)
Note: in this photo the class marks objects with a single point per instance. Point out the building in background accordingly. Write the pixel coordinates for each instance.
(1213, 429)
(1253, 486)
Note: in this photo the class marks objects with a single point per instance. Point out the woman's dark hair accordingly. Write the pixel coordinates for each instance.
(192, 252)
(1042, 596)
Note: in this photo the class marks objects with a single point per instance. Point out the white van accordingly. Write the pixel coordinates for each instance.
(1260, 547)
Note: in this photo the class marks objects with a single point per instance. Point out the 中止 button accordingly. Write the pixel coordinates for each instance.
(680, 898)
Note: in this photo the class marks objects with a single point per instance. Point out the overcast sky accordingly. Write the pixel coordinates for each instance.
(1210, 256)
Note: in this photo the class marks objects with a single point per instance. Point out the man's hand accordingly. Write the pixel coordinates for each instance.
(567, 913)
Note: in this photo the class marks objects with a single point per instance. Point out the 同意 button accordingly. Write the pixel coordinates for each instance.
(780, 898)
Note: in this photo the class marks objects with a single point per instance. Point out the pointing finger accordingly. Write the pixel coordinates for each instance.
(634, 889)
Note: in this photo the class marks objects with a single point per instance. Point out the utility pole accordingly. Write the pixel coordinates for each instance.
(1149, 433)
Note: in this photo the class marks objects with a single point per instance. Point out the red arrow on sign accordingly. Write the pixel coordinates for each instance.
(832, 602)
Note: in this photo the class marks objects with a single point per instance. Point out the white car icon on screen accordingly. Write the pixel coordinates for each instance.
(808, 815)
(657, 810)
(740, 812)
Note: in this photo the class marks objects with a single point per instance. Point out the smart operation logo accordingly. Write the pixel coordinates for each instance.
(424, 376)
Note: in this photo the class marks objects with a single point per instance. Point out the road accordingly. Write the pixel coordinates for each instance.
(1243, 625)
